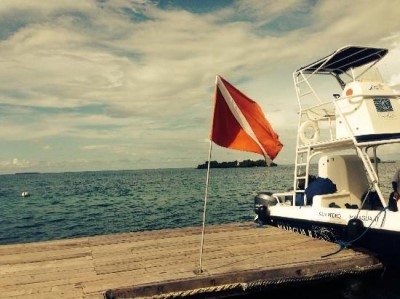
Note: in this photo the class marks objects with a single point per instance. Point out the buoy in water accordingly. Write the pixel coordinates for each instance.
(25, 194)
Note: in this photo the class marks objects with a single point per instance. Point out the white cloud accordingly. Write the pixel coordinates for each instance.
(16, 163)
(116, 149)
(87, 75)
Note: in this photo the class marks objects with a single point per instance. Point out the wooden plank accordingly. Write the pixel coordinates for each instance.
(76, 264)
(165, 260)
(43, 246)
(48, 255)
(63, 292)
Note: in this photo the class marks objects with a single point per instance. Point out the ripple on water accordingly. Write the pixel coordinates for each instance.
(67, 205)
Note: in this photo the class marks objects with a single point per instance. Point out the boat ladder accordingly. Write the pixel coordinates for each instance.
(301, 171)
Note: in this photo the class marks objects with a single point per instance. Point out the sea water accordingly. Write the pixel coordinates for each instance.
(69, 205)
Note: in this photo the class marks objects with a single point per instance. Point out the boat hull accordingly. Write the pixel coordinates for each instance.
(383, 243)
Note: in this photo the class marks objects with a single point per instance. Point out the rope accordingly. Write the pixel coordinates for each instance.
(322, 275)
(256, 285)
(344, 244)
(194, 292)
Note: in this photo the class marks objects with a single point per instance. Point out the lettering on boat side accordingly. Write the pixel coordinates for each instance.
(364, 218)
(386, 115)
(295, 229)
(317, 232)
(330, 215)
(375, 87)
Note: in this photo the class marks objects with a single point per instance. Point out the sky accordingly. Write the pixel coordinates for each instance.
(128, 84)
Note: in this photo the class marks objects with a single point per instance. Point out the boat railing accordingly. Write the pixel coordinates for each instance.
(348, 120)
(321, 121)
(317, 123)
(334, 125)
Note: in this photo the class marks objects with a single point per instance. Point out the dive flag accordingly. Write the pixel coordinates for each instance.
(239, 123)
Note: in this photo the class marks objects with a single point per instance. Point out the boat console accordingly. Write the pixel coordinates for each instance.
(369, 110)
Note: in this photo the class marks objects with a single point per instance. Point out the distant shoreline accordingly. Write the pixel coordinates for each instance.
(235, 164)
(19, 173)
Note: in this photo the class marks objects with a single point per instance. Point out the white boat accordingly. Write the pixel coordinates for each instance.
(341, 132)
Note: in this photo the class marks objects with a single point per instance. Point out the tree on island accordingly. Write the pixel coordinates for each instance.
(234, 164)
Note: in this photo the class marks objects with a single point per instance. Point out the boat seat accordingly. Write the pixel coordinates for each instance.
(285, 198)
(340, 199)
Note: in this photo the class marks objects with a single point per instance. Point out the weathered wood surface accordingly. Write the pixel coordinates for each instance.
(165, 259)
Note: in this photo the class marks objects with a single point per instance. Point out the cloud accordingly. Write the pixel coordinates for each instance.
(16, 163)
(117, 149)
(134, 78)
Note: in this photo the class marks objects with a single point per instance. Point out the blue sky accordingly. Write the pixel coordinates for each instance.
(127, 84)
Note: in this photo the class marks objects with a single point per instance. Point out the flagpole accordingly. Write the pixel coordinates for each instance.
(200, 270)
(205, 210)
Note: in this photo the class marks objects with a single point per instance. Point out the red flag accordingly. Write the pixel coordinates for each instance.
(239, 123)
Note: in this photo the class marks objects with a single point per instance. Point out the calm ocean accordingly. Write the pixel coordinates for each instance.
(68, 205)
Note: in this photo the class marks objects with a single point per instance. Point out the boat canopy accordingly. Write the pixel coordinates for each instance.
(344, 59)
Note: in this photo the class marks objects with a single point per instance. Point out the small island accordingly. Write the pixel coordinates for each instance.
(234, 164)
(23, 173)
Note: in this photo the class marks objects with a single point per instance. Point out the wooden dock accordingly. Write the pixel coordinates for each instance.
(237, 258)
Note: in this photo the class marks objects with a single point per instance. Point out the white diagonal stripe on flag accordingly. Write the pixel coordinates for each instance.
(237, 113)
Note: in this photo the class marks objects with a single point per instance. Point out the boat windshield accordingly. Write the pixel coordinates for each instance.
(362, 74)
